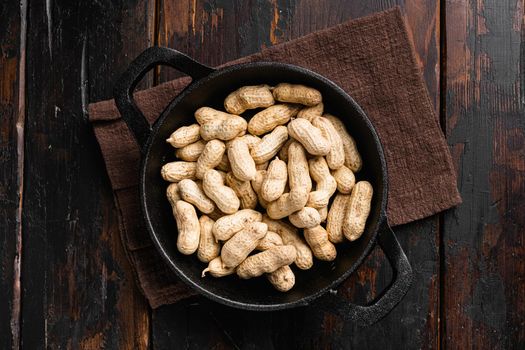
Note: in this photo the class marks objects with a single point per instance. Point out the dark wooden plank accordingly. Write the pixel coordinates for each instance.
(12, 110)
(484, 276)
(215, 32)
(118, 32)
(78, 289)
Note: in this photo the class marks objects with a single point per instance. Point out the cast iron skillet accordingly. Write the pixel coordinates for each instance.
(209, 88)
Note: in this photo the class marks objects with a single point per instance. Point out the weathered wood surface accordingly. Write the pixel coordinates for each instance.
(11, 170)
(77, 289)
(484, 254)
(216, 32)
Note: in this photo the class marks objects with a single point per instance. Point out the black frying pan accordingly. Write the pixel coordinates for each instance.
(209, 88)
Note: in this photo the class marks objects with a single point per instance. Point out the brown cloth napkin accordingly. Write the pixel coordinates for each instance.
(372, 59)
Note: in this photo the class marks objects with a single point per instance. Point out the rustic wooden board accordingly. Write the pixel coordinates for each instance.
(483, 238)
(215, 32)
(77, 286)
(78, 289)
(11, 157)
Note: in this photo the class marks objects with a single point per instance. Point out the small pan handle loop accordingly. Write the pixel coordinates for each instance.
(389, 298)
(126, 84)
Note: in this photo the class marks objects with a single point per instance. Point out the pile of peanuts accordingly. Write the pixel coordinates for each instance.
(241, 190)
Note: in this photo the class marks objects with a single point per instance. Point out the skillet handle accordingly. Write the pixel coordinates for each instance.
(390, 297)
(126, 84)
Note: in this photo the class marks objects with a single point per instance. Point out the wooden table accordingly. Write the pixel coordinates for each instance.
(64, 278)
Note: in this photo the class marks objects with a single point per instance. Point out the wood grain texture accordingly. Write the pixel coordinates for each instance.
(217, 31)
(78, 289)
(483, 239)
(12, 98)
(214, 32)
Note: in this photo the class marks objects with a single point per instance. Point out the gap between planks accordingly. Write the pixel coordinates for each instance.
(20, 126)
(442, 121)
(156, 33)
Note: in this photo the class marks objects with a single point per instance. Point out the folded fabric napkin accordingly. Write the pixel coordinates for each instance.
(372, 59)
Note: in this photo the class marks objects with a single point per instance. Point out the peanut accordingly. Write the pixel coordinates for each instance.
(290, 236)
(223, 196)
(310, 113)
(248, 97)
(309, 136)
(283, 152)
(352, 157)
(271, 240)
(176, 171)
(345, 179)
(216, 268)
(259, 179)
(237, 248)
(241, 162)
(191, 152)
(318, 199)
(317, 239)
(269, 145)
(188, 227)
(226, 129)
(326, 184)
(193, 194)
(287, 204)
(251, 140)
(296, 93)
(336, 216)
(286, 187)
(224, 164)
(266, 262)
(298, 171)
(275, 180)
(210, 157)
(257, 185)
(271, 117)
(323, 213)
(336, 157)
(208, 249)
(223, 175)
(229, 225)
(283, 279)
(172, 193)
(358, 210)
(305, 218)
(205, 115)
(184, 135)
(243, 190)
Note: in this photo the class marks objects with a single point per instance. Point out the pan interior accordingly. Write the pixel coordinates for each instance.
(257, 293)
